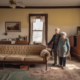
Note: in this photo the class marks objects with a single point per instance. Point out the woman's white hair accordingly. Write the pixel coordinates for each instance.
(64, 33)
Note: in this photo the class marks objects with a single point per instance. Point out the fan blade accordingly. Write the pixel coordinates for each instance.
(20, 4)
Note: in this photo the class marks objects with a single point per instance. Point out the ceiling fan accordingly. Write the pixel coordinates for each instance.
(13, 4)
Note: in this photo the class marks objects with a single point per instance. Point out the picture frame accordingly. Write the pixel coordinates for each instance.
(13, 26)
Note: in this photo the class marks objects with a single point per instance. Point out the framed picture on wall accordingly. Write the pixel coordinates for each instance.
(78, 30)
(13, 26)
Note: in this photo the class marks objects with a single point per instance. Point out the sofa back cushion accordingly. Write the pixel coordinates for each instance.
(21, 49)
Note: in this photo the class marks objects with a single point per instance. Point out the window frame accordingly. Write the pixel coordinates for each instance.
(46, 25)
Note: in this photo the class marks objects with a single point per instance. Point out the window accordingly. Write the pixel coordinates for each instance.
(37, 31)
(38, 28)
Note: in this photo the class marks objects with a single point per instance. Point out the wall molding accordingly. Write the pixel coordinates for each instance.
(42, 7)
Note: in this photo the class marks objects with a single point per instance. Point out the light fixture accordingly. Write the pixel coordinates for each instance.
(13, 6)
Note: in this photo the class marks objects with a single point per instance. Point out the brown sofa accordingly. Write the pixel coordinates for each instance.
(23, 54)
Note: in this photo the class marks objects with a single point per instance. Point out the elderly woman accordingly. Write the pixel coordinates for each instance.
(63, 49)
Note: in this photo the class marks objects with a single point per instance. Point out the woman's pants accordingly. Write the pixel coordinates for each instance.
(62, 61)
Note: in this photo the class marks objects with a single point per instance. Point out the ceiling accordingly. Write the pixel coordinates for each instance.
(44, 2)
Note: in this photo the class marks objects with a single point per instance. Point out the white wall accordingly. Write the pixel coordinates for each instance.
(70, 30)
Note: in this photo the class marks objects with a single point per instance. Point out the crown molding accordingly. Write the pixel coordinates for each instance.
(42, 7)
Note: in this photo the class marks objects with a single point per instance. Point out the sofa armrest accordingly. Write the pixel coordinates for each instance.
(45, 57)
(45, 54)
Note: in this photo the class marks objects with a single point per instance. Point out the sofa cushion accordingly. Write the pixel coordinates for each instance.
(33, 58)
(43, 52)
(15, 57)
(2, 56)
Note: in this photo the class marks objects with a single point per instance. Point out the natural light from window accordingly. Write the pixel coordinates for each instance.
(72, 66)
(37, 31)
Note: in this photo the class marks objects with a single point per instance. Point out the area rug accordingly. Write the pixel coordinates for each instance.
(38, 74)
(15, 74)
(56, 74)
(71, 72)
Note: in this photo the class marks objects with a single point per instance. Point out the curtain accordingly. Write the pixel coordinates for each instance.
(43, 34)
(32, 19)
